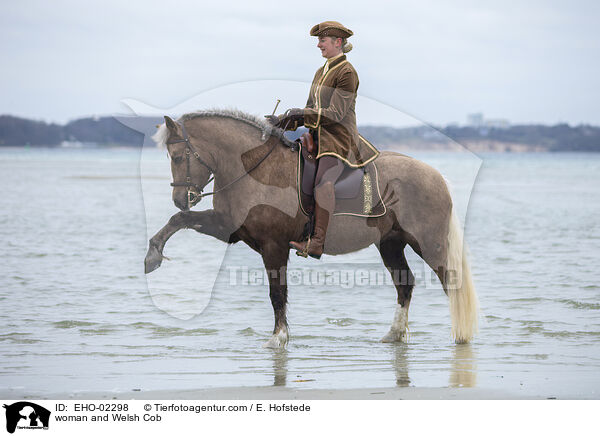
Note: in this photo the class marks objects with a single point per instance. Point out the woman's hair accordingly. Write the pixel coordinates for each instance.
(346, 46)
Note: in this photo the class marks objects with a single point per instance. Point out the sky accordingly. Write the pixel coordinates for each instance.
(432, 62)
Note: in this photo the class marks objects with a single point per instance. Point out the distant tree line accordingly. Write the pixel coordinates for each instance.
(560, 137)
(16, 131)
(19, 131)
(102, 130)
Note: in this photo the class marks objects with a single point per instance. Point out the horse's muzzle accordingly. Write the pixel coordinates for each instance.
(186, 199)
(181, 205)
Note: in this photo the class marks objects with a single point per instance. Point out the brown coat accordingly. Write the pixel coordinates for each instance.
(330, 111)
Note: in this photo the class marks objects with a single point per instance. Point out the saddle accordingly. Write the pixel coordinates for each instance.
(356, 190)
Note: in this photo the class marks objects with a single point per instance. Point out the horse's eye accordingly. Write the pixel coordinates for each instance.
(177, 158)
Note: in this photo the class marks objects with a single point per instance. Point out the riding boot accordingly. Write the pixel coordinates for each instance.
(324, 195)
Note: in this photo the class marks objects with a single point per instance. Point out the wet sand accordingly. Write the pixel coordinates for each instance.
(283, 393)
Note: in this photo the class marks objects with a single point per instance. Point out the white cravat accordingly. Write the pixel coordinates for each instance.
(325, 69)
(330, 60)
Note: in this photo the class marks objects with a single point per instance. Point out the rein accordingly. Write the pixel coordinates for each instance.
(194, 197)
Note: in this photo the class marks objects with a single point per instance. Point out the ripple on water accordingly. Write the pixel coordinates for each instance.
(98, 331)
(20, 279)
(69, 324)
(514, 344)
(571, 335)
(341, 322)
(175, 331)
(323, 338)
(161, 331)
(248, 332)
(579, 304)
(533, 323)
(525, 300)
(19, 338)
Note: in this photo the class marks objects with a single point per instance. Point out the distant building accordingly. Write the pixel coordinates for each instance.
(475, 120)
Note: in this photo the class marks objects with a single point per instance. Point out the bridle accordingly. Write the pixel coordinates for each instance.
(195, 197)
(192, 197)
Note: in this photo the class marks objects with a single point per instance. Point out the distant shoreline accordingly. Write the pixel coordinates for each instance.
(495, 147)
(471, 146)
(105, 132)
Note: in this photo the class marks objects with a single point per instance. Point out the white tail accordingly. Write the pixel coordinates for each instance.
(464, 305)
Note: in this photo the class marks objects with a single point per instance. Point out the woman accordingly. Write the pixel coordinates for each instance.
(331, 118)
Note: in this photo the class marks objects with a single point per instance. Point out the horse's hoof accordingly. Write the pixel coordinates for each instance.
(278, 340)
(153, 259)
(394, 336)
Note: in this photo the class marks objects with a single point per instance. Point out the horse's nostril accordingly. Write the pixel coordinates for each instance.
(180, 204)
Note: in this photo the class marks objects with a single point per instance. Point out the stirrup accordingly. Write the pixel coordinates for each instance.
(304, 253)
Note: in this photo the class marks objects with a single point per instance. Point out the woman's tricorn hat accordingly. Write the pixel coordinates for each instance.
(331, 28)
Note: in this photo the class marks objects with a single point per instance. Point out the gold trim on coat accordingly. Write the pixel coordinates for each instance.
(316, 125)
(331, 153)
(318, 88)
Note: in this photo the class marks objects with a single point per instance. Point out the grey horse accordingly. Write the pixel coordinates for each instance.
(255, 201)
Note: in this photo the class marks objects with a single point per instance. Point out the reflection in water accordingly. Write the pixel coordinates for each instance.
(464, 367)
(280, 365)
(401, 365)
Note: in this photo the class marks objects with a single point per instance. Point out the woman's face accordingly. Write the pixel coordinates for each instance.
(329, 46)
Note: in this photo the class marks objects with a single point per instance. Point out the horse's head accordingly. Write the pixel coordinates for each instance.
(189, 167)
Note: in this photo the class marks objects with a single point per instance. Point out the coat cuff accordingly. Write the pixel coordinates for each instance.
(312, 117)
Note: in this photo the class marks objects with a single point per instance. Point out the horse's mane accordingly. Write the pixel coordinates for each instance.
(261, 124)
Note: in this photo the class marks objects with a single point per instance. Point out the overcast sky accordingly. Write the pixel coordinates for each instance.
(436, 61)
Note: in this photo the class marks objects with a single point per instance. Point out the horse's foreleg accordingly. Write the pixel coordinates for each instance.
(392, 253)
(275, 260)
(206, 221)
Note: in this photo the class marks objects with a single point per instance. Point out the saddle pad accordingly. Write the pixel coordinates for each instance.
(352, 196)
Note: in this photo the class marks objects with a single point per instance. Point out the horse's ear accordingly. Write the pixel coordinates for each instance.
(171, 125)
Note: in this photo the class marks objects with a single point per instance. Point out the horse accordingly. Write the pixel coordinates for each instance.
(255, 200)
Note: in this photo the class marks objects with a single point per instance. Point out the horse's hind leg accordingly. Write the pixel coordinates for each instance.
(275, 259)
(392, 253)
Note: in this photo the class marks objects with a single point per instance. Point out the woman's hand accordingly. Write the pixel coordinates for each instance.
(295, 114)
(292, 119)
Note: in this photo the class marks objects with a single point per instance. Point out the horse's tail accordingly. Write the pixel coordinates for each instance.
(464, 305)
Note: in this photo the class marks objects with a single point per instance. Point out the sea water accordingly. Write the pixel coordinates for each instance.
(79, 314)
